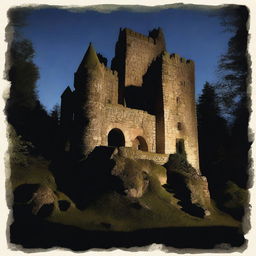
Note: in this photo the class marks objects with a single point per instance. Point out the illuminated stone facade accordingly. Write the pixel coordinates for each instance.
(146, 101)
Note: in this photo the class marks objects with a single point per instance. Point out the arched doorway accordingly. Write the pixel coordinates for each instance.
(116, 138)
(140, 143)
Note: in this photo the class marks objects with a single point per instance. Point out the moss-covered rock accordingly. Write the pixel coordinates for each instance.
(135, 174)
(42, 196)
(187, 183)
(235, 200)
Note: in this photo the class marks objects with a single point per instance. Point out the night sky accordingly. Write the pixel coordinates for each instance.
(60, 38)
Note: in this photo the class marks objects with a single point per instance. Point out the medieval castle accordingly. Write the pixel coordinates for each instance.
(145, 102)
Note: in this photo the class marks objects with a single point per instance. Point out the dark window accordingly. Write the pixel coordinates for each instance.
(180, 147)
(179, 126)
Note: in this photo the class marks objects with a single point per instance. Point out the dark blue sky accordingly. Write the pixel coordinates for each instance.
(60, 38)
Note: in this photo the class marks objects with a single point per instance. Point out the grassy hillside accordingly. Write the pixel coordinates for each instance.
(117, 211)
(156, 207)
(45, 217)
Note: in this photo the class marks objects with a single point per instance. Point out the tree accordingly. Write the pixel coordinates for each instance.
(213, 139)
(233, 65)
(23, 74)
(55, 129)
(19, 149)
(232, 90)
(55, 113)
(24, 110)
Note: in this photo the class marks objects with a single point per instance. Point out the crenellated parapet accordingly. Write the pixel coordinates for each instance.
(129, 32)
(134, 54)
(177, 59)
(109, 71)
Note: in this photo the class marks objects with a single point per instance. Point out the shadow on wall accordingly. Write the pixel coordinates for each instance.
(135, 97)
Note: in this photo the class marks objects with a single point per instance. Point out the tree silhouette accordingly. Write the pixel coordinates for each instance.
(232, 91)
(234, 64)
(23, 108)
(213, 140)
(55, 114)
(23, 75)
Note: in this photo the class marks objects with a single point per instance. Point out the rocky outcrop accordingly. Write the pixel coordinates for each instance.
(39, 199)
(135, 174)
(43, 196)
(190, 187)
(200, 194)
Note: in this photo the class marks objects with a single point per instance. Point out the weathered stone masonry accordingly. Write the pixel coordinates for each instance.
(146, 101)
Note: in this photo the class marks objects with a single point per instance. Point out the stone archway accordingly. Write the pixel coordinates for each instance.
(140, 143)
(116, 138)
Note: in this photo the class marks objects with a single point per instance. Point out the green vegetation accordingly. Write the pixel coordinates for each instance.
(120, 214)
(223, 116)
(178, 163)
(155, 208)
(36, 172)
(26, 169)
(236, 197)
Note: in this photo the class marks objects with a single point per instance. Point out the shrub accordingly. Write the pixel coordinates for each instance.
(235, 200)
(19, 149)
(179, 163)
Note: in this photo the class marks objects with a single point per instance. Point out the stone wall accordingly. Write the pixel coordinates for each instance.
(140, 52)
(131, 122)
(166, 84)
(138, 154)
(110, 82)
(179, 106)
(89, 104)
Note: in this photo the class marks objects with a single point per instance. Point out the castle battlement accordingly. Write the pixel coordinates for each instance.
(153, 36)
(176, 58)
(138, 35)
(142, 103)
(109, 71)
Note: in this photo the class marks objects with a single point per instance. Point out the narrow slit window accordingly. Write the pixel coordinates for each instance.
(179, 126)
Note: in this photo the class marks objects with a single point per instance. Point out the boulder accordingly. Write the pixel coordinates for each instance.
(42, 196)
(188, 184)
(135, 174)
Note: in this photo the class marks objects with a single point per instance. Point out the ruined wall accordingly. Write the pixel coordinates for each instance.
(131, 122)
(133, 54)
(110, 81)
(140, 52)
(135, 154)
(179, 106)
(166, 82)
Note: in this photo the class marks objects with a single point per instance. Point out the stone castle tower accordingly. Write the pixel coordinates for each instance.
(145, 102)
